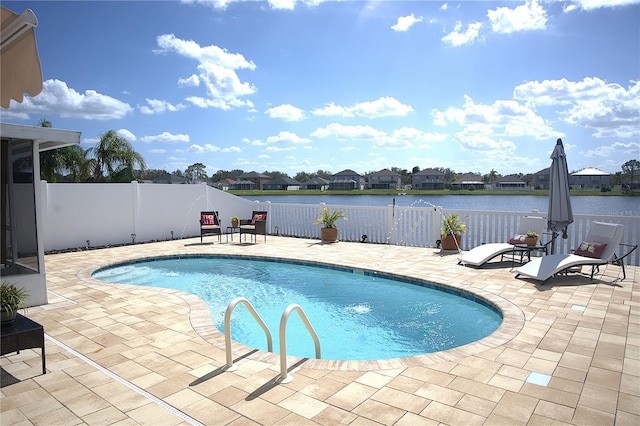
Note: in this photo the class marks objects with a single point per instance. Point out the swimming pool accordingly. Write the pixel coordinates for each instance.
(358, 315)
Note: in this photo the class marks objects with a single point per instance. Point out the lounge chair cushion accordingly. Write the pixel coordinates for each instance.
(593, 250)
(258, 216)
(208, 219)
(517, 239)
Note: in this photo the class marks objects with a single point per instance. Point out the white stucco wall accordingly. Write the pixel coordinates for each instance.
(109, 213)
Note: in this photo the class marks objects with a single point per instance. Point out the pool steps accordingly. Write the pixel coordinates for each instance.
(284, 376)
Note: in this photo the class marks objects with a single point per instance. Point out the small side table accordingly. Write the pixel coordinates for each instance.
(525, 250)
(22, 334)
(232, 230)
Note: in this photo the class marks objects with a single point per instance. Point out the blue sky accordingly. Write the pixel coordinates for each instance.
(293, 85)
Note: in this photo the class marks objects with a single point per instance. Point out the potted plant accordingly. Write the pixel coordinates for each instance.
(531, 238)
(11, 299)
(452, 230)
(235, 221)
(329, 230)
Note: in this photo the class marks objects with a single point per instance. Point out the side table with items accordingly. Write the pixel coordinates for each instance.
(22, 333)
(232, 230)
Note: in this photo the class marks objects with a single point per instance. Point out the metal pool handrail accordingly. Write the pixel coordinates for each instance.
(284, 378)
(227, 328)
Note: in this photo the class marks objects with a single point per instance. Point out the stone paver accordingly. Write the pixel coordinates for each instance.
(155, 358)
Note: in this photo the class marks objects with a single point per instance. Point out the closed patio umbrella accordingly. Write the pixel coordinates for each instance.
(560, 214)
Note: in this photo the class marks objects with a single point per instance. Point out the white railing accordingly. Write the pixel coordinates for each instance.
(77, 215)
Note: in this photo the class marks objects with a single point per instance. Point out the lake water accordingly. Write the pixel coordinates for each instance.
(597, 205)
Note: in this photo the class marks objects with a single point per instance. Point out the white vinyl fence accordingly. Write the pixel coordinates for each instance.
(81, 215)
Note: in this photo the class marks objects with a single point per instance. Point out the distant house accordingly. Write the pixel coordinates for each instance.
(384, 179)
(170, 178)
(258, 178)
(468, 181)
(224, 184)
(590, 178)
(282, 184)
(540, 179)
(428, 179)
(509, 182)
(244, 185)
(316, 183)
(346, 180)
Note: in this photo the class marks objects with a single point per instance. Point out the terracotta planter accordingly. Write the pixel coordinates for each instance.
(451, 242)
(329, 235)
(531, 241)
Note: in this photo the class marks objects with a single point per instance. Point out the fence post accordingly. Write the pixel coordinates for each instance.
(437, 224)
(135, 220)
(392, 224)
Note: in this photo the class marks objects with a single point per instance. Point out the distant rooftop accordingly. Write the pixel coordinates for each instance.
(590, 171)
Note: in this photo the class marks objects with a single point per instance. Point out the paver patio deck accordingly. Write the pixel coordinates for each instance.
(568, 353)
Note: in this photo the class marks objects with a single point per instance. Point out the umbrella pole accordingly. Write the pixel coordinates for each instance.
(554, 235)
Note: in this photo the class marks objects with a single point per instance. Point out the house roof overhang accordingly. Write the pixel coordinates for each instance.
(46, 137)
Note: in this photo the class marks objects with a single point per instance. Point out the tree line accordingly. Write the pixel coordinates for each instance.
(114, 159)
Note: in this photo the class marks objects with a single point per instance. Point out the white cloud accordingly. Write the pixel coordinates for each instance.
(459, 38)
(56, 97)
(274, 4)
(282, 4)
(158, 151)
(597, 4)
(491, 126)
(383, 107)
(279, 148)
(404, 137)
(166, 137)
(218, 103)
(124, 133)
(156, 106)
(412, 134)
(216, 72)
(286, 112)
(200, 149)
(332, 110)
(287, 137)
(528, 16)
(609, 108)
(255, 142)
(406, 22)
(192, 81)
(631, 148)
(342, 133)
(232, 149)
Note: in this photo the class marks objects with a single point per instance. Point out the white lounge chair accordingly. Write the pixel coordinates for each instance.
(598, 248)
(480, 255)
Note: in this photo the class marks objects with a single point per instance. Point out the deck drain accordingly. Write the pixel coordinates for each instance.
(538, 379)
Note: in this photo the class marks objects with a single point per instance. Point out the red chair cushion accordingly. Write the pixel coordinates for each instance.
(588, 249)
(517, 239)
(208, 219)
(258, 216)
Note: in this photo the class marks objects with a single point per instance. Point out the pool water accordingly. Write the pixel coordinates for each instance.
(357, 316)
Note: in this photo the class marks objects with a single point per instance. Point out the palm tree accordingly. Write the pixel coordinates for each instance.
(54, 162)
(114, 159)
